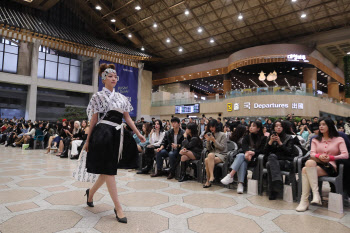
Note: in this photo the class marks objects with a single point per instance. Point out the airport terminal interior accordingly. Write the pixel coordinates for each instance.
(174, 116)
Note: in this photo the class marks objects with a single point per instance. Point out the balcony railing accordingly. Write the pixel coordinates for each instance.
(250, 92)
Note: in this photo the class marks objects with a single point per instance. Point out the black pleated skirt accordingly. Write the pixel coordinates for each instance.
(104, 141)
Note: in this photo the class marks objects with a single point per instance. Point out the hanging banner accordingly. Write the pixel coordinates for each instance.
(127, 84)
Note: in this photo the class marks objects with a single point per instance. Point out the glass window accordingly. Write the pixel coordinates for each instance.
(1, 47)
(51, 57)
(75, 62)
(75, 74)
(10, 63)
(63, 72)
(64, 60)
(51, 70)
(41, 55)
(41, 67)
(11, 49)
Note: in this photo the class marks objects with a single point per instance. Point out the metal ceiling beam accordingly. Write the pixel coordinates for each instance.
(134, 39)
(119, 8)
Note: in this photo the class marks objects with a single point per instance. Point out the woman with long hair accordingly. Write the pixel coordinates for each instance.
(155, 139)
(280, 152)
(326, 149)
(238, 134)
(217, 148)
(107, 139)
(192, 147)
(253, 144)
(146, 130)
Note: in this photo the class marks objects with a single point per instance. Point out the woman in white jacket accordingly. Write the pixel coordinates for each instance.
(155, 139)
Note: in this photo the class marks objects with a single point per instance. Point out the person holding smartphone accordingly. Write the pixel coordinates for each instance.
(279, 149)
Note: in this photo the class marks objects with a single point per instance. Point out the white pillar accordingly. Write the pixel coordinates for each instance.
(139, 96)
(33, 87)
(95, 68)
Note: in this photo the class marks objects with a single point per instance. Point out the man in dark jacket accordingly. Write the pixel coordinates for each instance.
(170, 147)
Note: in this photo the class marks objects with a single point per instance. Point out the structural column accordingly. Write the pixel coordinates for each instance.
(310, 78)
(33, 87)
(227, 83)
(95, 68)
(333, 90)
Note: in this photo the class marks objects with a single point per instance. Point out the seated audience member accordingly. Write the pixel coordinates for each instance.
(220, 125)
(55, 139)
(170, 147)
(326, 149)
(217, 148)
(279, 149)
(146, 130)
(201, 128)
(315, 131)
(192, 148)
(155, 139)
(341, 129)
(183, 124)
(304, 132)
(27, 136)
(7, 133)
(74, 134)
(266, 134)
(79, 140)
(238, 135)
(253, 144)
(314, 124)
(227, 131)
(62, 134)
(269, 125)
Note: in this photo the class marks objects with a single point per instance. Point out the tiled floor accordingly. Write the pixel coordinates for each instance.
(38, 194)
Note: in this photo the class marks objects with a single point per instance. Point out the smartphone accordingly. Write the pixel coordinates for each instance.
(274, 133)
(209, 134)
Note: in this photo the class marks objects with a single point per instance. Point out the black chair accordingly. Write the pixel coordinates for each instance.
(290, 175)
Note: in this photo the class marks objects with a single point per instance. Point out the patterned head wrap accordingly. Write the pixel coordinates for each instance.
(106, 72)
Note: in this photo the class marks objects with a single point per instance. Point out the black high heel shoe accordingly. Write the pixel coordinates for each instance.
(91, 204)
(122, 220)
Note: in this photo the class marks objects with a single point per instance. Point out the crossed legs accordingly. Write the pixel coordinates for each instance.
(210, 162)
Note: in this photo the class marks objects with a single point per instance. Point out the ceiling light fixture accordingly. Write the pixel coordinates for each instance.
(180, 49)
(294, 0)
(155, 25)
(187, 12)
(212, 40)
(137, 8)
(240, 16)
(303, 15)
(262, 76)
(348, 53)
(142, 48)
(199, 30)
(98, 7)
(113, 20)
(129, 35)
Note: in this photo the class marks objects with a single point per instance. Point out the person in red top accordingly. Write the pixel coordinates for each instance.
(326, 148)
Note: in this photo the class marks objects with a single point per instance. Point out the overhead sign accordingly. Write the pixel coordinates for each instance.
(248, 105)
(297, 57)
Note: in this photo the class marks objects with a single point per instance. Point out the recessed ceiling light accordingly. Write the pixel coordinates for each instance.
(137, 8)
(180, 49)
(294, 0)
(168, 40)
(348, 53)
(187, 12)
(98, 7)
(155, 25)
(212, 40)
(303, 15)
(142, 48)
(240, 16)
(129, 35)
(199, 30)
(113, 20)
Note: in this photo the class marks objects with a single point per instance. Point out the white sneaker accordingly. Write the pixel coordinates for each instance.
(240, 188)
(54, 147)
(5, 143)
(227, 179)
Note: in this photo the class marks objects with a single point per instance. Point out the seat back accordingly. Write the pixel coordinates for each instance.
(231, 146)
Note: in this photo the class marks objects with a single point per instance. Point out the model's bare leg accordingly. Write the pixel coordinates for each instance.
(112, 189)
(99, 182)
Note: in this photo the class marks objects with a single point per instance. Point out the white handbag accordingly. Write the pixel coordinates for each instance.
(81, 173)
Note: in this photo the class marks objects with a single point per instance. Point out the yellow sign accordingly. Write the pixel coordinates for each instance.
(229, 107)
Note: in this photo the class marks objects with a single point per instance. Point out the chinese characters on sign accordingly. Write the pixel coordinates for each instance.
(297, 57)
(247, 105)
